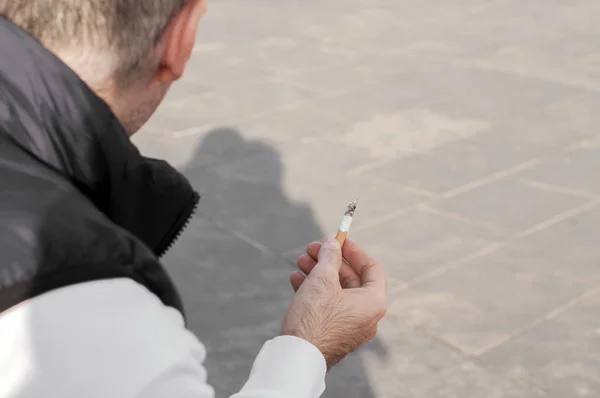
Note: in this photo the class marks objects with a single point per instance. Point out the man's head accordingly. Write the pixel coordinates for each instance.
(128, 51)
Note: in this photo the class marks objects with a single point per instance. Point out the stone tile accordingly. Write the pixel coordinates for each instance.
(258, 211)
(502, 35)
(407, 132)
(321, 158)
(292, 121)
(567, 120)
(332, 82)
(201, 146)
(211, 265)
(576, 170)
(243, 190)
(560, 354)
(533, 58)
(567, 249)
(329, 196)
(284, 209)
(510, 203)
(455, 164)
(401, 363)
(180, 151)
(226, 105)
(484, 301)
(179, 115)
(502, 100)
(223, 65)
(283, 55)
(417, 243)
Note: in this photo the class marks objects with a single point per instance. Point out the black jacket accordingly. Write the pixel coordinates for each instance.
(77, 200)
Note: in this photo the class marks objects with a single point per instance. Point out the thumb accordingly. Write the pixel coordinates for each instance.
(330, 259)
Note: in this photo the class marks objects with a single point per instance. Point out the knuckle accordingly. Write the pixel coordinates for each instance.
(380, 306)
(329, 248)
(368, 268)
(381, 312)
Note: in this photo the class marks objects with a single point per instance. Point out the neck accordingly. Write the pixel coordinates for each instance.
(134, 105)
(122, 102)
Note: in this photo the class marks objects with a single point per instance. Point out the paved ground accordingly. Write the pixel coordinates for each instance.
(469, 130)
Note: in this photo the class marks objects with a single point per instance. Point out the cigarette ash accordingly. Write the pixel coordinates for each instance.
(351, 208)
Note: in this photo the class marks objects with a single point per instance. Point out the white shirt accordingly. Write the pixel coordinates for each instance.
(113, 338)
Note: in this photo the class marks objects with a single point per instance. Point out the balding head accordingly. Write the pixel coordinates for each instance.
(113, 44)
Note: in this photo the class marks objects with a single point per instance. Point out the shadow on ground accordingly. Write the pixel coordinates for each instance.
(231, 264)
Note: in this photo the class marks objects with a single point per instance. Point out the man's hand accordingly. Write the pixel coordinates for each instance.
(338, 304)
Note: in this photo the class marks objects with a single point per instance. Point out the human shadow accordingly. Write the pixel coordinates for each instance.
(233, 263)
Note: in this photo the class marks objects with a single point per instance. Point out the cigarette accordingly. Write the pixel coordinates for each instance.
(346, 223)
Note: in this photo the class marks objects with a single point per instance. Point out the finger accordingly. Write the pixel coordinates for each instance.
(370, 271)
(330, 259)
(355, 256)
(306, 263)
(296, 279)
(348, 278)
(313, 250)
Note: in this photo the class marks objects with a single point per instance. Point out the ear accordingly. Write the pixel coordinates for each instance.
(178, 41)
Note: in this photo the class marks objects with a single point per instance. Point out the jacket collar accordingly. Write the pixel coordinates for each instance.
(48, 111)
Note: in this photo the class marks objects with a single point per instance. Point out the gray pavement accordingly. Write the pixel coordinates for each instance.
(469, 130)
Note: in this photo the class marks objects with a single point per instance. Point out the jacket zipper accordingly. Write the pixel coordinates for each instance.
(180, 225)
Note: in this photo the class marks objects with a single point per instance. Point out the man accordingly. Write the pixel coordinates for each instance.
(86, 309)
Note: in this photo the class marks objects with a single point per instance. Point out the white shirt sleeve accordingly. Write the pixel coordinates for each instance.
(113, 338)
(285, 367)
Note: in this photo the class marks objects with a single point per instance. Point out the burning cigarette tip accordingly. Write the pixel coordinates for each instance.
(351, 208)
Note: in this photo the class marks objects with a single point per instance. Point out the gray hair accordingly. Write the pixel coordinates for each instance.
(116, 36)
